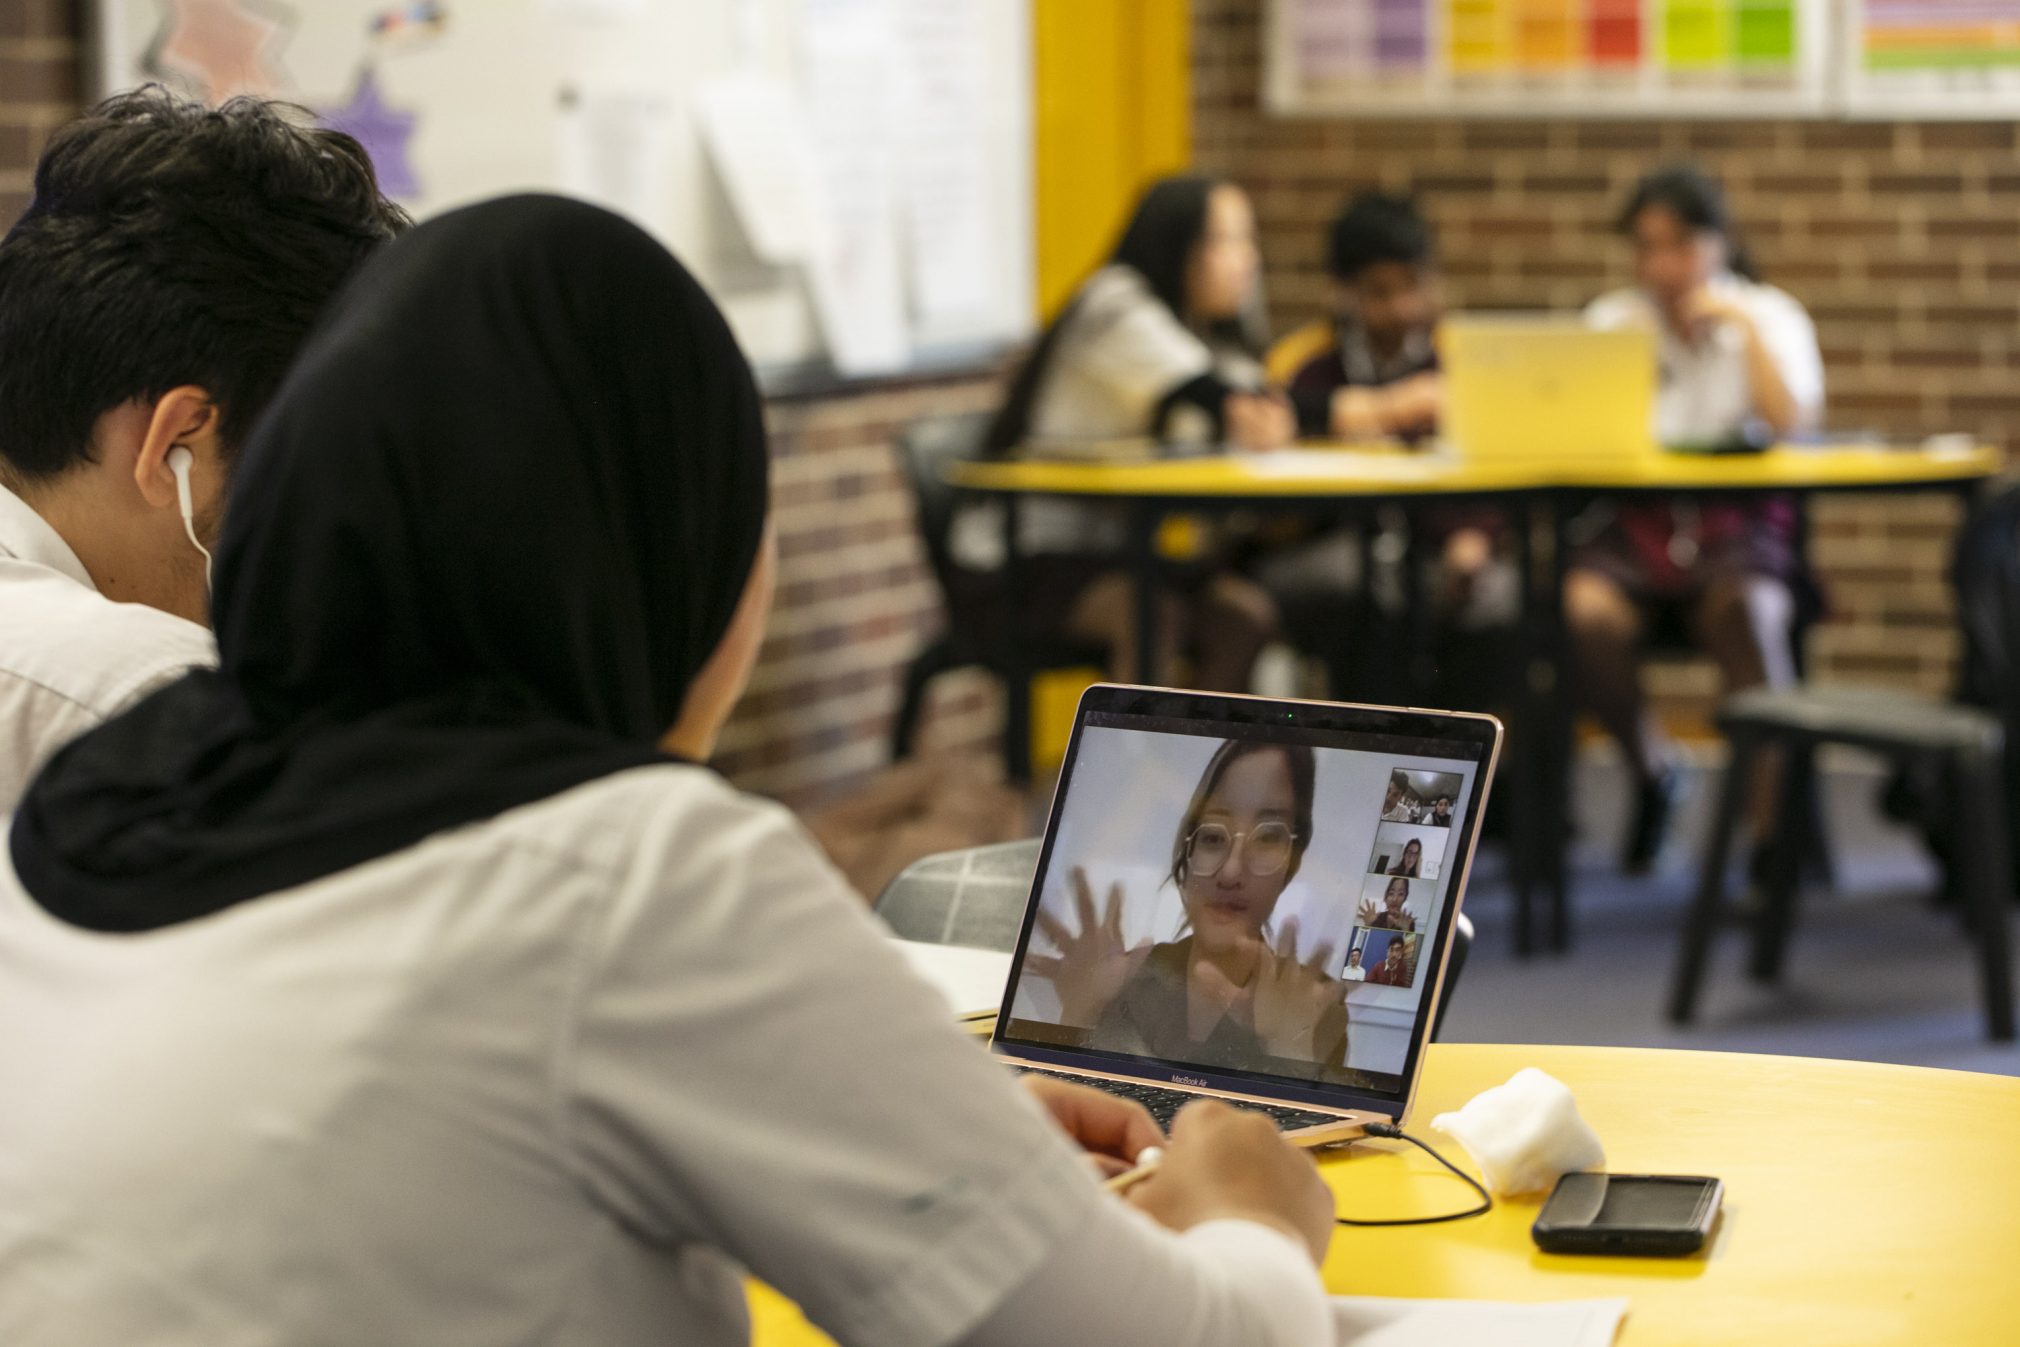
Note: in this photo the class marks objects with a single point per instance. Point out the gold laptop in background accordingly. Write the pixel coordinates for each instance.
(1546, 389)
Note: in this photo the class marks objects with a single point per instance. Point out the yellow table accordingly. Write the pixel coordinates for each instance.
(1364, 474)
(1864, 1204)
(1323, 470)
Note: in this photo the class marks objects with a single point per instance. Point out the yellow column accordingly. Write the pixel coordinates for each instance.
(1112, 109)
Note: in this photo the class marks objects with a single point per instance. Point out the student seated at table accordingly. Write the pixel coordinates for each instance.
(1376, 375)
(1161, 343)
(407, 978)
(1739, 361)
(1369, 373)
(151, 296)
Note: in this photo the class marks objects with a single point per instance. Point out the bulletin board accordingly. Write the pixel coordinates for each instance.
(1933, 58)
(1898, 59)
(850, 178)
(1549, 57)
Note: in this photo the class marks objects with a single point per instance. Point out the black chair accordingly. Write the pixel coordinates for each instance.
(976, 897)
(1964, 747)
(982, 617)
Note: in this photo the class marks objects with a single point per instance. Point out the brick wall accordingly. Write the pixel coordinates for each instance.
(38, 87)
(855, 598)
(1903, 240)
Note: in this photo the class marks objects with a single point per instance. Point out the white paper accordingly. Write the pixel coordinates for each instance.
(948, 233)
(856, 278)
(615, 148)
(972, 980)
(1376, 1321)
(751, 128)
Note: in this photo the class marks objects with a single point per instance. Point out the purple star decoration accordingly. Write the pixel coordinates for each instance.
(384, 131)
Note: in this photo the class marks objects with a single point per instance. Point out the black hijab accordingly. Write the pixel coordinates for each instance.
(498, 517)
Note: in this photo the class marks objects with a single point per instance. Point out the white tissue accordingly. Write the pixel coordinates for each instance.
(1524, 1135)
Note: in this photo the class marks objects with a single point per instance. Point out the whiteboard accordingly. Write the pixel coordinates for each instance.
(911, 116)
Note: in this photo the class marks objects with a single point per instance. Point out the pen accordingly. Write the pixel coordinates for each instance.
(1147, 1161)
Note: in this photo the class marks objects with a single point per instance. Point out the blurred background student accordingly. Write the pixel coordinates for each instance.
(1739, 365)
(1370, 372)
(1163, 342)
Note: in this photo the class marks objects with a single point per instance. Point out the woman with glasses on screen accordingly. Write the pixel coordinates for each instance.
(1411, 861)
(1229, 991)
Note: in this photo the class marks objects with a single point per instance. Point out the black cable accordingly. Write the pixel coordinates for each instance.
(1390, 1132)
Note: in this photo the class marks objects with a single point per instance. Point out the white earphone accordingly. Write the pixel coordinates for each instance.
(179, 463)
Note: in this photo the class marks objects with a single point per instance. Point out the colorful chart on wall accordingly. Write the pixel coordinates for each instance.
(1956, 58)
(1548, 57)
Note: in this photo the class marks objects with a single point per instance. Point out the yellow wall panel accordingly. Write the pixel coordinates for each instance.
(1112, 109)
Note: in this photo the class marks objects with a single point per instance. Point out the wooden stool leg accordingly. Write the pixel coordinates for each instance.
(1701, 925)
(1785, 862)
(1986, 871)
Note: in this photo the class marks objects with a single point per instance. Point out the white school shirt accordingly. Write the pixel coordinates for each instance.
(69, 656)
(556, 1079)
(1704, 392)
(1120, 354)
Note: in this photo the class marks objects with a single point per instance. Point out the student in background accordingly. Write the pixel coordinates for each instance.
(1377, 376)
(1739, 362)
(151, 296)
(1161, 343)
(408, 973)
(1371, 373)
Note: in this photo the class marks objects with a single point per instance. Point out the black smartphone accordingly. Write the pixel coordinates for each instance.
(1634, 1214)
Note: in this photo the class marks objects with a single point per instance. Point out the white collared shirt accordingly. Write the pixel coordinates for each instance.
(69, 656)
(1706, 392)
(558, 1077)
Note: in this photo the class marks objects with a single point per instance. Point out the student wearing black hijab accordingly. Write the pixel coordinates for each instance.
(402, 979)
(1160, 346)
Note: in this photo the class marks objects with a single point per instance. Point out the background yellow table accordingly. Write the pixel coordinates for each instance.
(1864, 1204)
(1362, 476)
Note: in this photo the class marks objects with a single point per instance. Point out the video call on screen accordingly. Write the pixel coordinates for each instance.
(1261, 905)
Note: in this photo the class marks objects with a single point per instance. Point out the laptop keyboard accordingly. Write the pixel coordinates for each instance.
(1164, 1103)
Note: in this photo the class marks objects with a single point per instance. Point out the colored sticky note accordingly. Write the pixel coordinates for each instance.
(1696, 33)
(1765, 32)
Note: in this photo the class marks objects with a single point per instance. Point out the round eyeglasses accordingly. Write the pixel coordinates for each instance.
(1267, 853)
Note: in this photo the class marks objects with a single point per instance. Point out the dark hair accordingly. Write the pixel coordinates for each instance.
(1375, 227)
(1304, 778)
(1168, 223)
(169, 243)
(1695, 198)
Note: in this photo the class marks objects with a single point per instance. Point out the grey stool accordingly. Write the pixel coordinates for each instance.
(976, 897)
(1968, 744)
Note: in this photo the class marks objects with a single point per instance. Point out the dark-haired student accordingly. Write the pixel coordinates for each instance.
(1739, 362)
(1163, 342)
(1377, 375)
(171, 261)
(1368, 373)
(407, 978)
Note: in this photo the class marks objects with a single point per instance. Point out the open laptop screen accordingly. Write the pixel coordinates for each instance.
(1248, 890)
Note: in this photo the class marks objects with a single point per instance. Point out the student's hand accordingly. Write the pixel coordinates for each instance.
(1092, 964)
(1704, 309)
(1411, 406)
(1366, 913)
(1259, 420)
(1112, 1130)
(1224, 1163)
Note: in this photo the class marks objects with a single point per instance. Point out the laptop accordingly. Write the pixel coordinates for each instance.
(1250, 899)
(1541, 388)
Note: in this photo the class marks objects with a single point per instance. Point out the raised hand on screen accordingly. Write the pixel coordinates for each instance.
(1300, 1007)
(1093, 963)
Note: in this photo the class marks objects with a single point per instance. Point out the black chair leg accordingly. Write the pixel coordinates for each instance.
(1783, 878)
(1986, 869)
(928, 664)
(1701, 925)
(1017, 725)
